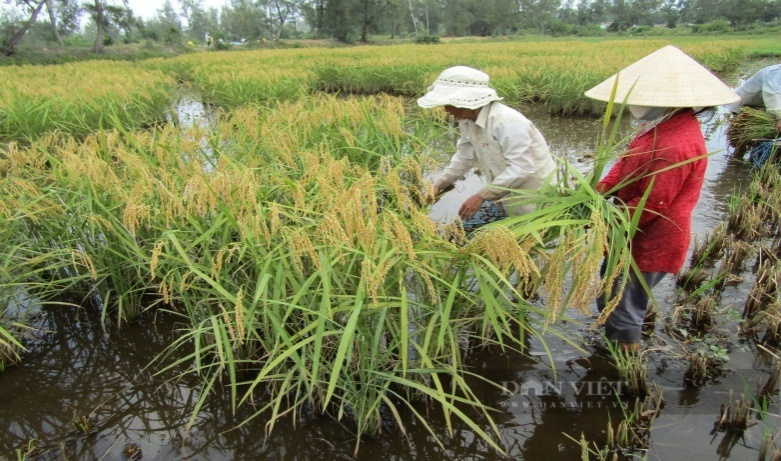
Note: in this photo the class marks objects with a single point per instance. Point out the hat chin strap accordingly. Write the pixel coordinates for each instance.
(646, 113)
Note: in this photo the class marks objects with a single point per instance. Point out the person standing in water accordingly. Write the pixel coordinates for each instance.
(667, 156)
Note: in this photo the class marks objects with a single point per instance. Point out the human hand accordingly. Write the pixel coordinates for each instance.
(431, 196)
(778, 125)
(470, 207)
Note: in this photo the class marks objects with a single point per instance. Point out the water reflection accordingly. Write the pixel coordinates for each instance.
(191, 112)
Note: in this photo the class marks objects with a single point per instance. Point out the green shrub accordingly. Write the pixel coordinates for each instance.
(714, 27)
(428, 39)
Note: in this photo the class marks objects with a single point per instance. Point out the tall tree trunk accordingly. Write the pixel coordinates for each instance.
(98, 46)
(428, 29)
(282, 17)
(11, 45)
(53, 19)
(365, 25)
(320, 17)
(414, 22)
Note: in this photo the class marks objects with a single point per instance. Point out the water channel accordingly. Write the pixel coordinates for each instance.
(79, 369)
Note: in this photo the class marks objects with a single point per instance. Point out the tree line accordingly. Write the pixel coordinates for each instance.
(109, 21)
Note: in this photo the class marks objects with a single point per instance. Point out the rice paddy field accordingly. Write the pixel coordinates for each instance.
(265, 279)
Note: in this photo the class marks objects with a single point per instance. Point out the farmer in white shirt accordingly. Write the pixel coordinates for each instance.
(762, 89)
(509, 149)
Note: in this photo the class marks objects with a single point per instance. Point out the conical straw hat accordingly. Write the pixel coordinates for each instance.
(666, 78)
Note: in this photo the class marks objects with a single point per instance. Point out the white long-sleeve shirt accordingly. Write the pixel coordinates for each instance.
(511, 152)
(762, 89)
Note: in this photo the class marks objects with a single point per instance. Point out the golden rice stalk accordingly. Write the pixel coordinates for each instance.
(499, 245)
(226, 318)
(374, 275)
(399, 235)
(80, 258)
(166, 287)
(154, 260)
(592, 245)
(198, 196)
(749, 126)
(556, 270)
(224, 255)
(137, 210)
(241, 329)
(12, 157)
(299, 241)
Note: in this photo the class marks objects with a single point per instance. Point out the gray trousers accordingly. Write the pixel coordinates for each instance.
(625, 323)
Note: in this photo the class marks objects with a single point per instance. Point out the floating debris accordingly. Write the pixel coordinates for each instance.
(132, 451)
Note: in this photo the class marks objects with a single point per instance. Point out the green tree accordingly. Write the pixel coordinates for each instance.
(628, 13)
(539, 14)
(167, 15)
(243, 19)
(278, 13)
(459, 16)
(199, 20)
(338, 19)
(702, 11)
(395, 18)
(30, 11)
(502, 15)
(672, 11)
(53, 21)
(592, 11)
(69, 15)
(313, 12)
(105, 15)
(370, 11)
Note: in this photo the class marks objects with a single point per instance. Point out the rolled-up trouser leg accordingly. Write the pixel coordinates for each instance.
(488, 213)
(625, 323)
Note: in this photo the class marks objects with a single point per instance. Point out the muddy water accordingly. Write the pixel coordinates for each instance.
(79, 370)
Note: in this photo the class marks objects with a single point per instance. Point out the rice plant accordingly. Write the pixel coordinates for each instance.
(31, 450)
(291, 242)
(770, 388)
(690, 280)
(763, 293)
(749, 126)
(734, 415)
(79, 98)
(304, 270)
(629, 439)
(705, 358)
(631, 368)
(768, 447)
(744, 220)
(711, 247)
(555, 74)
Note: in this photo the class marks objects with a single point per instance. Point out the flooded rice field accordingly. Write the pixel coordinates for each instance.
(80, 379)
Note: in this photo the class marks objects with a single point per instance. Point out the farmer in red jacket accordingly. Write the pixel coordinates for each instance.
(669, 156)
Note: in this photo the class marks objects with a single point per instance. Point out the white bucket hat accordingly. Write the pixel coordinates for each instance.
(666, 78)
(459, 86)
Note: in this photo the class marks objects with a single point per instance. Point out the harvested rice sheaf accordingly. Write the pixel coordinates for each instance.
(749, 126)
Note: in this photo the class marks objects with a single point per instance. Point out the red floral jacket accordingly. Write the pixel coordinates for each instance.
(663, 236)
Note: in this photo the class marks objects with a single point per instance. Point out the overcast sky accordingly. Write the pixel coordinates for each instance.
(148, 9)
